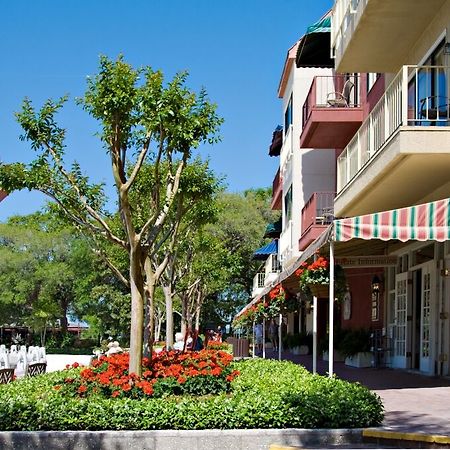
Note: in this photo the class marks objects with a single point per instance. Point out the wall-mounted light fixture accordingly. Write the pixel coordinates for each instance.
(376, 287)
(376, 284)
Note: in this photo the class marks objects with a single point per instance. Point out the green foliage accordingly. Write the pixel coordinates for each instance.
(237, 233)
(267, 394)
(354, 341)
(298, 339)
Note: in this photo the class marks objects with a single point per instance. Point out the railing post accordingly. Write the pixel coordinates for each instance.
(404, 95)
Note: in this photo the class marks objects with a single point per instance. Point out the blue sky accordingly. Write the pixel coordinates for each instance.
(235, 49)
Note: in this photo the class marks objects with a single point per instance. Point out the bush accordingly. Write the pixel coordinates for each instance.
(354, 341)
(267, 394)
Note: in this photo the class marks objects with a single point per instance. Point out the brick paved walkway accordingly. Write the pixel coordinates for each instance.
(413, 402)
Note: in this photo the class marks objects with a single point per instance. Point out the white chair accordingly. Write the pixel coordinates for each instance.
(4, 362)
(42, 355)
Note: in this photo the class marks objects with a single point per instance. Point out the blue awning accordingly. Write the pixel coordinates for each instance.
(269, 249)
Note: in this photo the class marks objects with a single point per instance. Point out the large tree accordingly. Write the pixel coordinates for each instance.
(41, 271)
(141, 119)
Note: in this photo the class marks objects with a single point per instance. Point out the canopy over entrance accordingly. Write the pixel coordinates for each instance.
(426, 222)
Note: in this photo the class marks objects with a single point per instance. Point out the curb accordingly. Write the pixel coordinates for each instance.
(425, 440)
(254, 439)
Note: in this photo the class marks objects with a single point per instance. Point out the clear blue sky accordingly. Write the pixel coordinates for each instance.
(236, 49)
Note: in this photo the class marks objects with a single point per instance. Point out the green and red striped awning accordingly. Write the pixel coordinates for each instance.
(427, 222)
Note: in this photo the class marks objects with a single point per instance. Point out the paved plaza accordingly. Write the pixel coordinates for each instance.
(413, 402)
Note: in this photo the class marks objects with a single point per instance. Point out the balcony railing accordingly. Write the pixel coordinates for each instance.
(338, 91)
(346, 14)
(417, 97)
(318, 210)
(258, 281)
(272, 264)
(277, 184)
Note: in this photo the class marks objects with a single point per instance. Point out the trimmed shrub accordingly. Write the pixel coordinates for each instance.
(266, 394)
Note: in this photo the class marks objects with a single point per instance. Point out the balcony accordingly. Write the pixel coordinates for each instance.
(277, 191)
(258, 284)
(271, 269)
(332, 112)
(377, 35)
(401, 154)
(317, 214)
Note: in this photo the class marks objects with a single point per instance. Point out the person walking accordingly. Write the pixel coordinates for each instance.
(259, 337)
(273, 334)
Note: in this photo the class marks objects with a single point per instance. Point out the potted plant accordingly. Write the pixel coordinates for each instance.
(314, 279)
(355, 346)
(338, 356)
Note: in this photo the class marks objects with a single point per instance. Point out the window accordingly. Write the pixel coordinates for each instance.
(288, 206)
(371, 80)
(288, 116)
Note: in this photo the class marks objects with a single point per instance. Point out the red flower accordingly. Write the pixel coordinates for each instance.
(82, 389)
(115, 394)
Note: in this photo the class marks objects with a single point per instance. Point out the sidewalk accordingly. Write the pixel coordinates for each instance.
(413, 403)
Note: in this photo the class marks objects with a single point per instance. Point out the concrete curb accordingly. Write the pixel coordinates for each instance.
(260, 439)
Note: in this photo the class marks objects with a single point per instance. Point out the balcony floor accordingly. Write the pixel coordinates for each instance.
(330, 127)
(413, 167)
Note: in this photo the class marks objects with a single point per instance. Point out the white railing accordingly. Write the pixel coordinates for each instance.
(258, 283)
(417, 96)
(272, 265)
(345, 16)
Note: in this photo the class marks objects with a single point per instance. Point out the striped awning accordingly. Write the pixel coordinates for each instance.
(426, 222)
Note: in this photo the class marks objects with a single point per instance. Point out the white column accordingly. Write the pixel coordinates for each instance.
(279, 336)
(331, 313)
(264, 339)
(253, 340)
(314, 334)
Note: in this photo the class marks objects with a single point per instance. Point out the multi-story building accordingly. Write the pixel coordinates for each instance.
(400, 157)
(305, 178)
(384, 111)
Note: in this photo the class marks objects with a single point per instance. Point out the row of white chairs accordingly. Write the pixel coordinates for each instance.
(20, 357)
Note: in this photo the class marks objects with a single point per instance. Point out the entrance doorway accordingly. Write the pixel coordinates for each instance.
(422, 334)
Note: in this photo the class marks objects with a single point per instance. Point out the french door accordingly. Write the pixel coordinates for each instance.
(401, 321)
(426, 317)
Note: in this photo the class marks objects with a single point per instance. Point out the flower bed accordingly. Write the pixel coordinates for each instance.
(175, 373)
(266, 394)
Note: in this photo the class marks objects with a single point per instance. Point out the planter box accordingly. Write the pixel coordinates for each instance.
(338, 356)
(361, 359)
(302, 350)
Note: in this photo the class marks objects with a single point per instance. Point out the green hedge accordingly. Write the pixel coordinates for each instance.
(267, 394)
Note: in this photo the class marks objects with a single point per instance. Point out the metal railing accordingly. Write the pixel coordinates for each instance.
(277, 185)
(345, 16)
(318, 210)
(272, 264)
(417, 96)
(258, 280)
(334, 91)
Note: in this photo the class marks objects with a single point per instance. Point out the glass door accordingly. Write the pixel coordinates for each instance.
(400, 320)
(426, 322)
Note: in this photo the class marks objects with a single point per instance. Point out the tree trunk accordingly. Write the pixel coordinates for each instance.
(169, 316)
(137, 312)
(150, 279)
(184, 313)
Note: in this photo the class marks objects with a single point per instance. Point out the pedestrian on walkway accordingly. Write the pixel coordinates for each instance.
(273, 334)
(258, 337)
